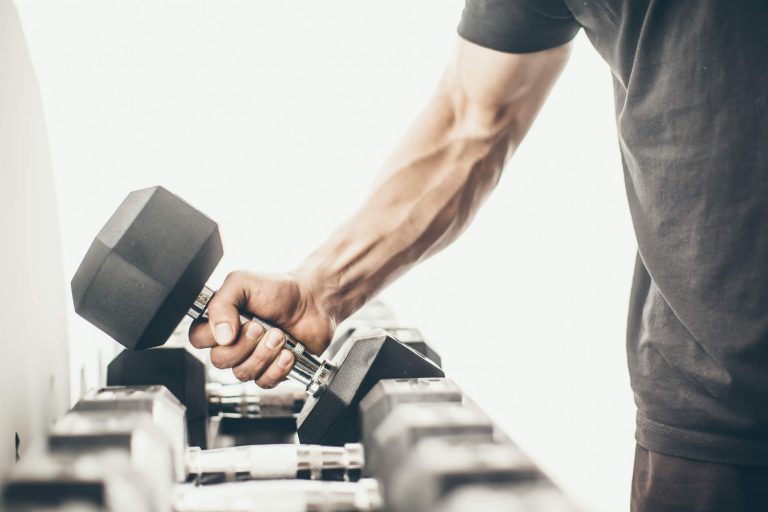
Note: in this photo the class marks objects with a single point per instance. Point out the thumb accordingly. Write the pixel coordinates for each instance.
(224, 311)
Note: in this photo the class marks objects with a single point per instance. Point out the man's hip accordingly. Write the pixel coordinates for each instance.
(663, 483)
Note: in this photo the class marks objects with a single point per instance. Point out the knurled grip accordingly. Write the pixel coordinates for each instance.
(305, 364)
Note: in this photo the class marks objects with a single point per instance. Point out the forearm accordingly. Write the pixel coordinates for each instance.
(435, 181)
(428, 192)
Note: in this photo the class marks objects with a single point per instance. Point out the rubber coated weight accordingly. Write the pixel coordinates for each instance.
(438, 466)
(133, 433)
(407, 424)
(168, 414)
(274, 461)
(176, 369)
(97, 482)
(146, 267)
(389, 393)
(265, 417)
(332, 417)
(406, 335)
(416, 340)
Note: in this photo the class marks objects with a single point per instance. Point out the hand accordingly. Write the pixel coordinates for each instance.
(287, 301)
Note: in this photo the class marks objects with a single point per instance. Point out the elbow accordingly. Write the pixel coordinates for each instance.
(480, 122)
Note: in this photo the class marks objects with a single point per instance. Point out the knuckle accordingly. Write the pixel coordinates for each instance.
(234, 277)
(265, 383)
(241, 373)
(250, 369)
(218, 360)
(273, 376)
(217, 308)
(258, 363)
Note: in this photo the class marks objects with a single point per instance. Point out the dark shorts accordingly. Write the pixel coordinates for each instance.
(662, 483)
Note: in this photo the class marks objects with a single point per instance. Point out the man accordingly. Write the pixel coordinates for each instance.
(691, 94)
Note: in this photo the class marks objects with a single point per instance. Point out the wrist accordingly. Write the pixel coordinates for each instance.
(321, 290)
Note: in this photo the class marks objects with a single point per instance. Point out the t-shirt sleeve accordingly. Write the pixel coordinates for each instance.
(517, 26)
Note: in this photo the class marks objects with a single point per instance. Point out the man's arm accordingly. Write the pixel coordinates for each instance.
(429, 191)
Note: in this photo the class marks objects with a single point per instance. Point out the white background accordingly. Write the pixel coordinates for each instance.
(273, 118)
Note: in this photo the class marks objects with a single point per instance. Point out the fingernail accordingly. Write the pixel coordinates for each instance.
(254, 330)
(274, 339)
(223, 334)
(284, 359)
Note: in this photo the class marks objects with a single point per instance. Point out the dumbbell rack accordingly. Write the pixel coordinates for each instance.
(426, 445)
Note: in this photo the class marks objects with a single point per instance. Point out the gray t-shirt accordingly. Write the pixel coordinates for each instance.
(691, 95)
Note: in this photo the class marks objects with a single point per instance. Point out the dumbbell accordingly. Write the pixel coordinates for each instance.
(93, 482)
(185, 376)
(107, 481)
(406, 335)
(375, 315)
(248, 414)
(133, 434)
(238, 401)
(409, 423)
(438, 466)
(389, 393)
(237, 463)
(147, 268)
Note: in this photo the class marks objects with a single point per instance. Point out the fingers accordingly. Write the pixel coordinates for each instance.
(263, 357)
(200, 335)
(229, 356)
(277, 371)
(248, 350)
(224, 309)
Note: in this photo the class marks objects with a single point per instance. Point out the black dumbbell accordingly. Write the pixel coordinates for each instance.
(147, 268)
(236, 463)
(416, 340)
(268, 414)
(409, 423)
(438, 466)
(406, 335)
(332, 416)
(389, 393)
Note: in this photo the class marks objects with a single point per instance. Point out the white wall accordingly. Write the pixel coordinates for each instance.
(33, 330)
(273, 118)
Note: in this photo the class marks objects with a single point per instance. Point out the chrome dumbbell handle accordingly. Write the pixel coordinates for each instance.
(306, 366)
(269, 461)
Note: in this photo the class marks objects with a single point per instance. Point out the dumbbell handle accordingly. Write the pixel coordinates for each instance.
(307, 369)
(268, 461)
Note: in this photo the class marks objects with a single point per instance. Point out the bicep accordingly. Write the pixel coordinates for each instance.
(492, 91)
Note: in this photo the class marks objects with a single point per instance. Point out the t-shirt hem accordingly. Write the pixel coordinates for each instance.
(719, 448)
(505, 40)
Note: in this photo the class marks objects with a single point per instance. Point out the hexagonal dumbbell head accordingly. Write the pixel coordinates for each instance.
(437, 466)
(333, 417)
(389, 393)
(146, 267)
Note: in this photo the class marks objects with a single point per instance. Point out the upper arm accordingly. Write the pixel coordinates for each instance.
(494, 92)
(508, 57)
